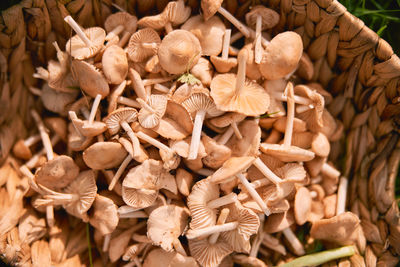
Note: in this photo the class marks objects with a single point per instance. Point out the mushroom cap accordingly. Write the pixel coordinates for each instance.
(210, 7)
(245, 260)
(182, 261)
(181, 147)
(57, 173)
(58, 125)
(278, 222)
(166, 224)
(115, 64)
(148, 119)
(250, 143)
(201, 101)
(177, 50)
(77, 142)
(299, 125)
(89, 129)
(104, 155)
(226, 119)
(216, 154)
(104, 216)
(302, 205)
(85, 187)
(287, 154)
(252, 71)
(203, 70)
(281, 56)
(78, 49)
(56, 101)
(136, 51)
(114, 119)
(253, 100)
(139, 198)
(148, 175)
(60, 77)
(270, 17)
(176, 123)
(21, 151)
(202, 192)
(223, 65)
(120, 18)
(320, 145)
(230, 168)
(210, 33)
(156, 22)
(315, 114)
(90, 79)
(209, 254)
(158, 257)
(176, 12)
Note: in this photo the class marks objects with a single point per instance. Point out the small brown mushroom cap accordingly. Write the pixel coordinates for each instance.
(210, 7)
(216, 154)
(270, 17)
(79, 50)
(320, 145)
(278, 222)
(299, 125)
(248, 261)
(207, 254)
(302, 205)
(181, 147)
(156, 22)
(201, 101)
(203, 70)
(21, 151)
(223, 65)
(166, 224)
(104, 155)
(104, 215)
(89, 129)
(114, 119)
(57, 173)
(281, 56)
(90, 79)
(149, 119)
(58, 125)
(158, 257)
(56, 101)
(137, 51)
(115, 64)
(177, 13)
(120, 18)
(184, 181)
(250, 143)
(177, 50)
(291, 153)
(60, 77)
(230, 168)
(226, 119)
(210, 33)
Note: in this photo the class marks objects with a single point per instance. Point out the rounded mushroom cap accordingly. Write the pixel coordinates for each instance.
(250, 143)
(209, 254)
(287, 154)
(114, 119)
(139, 198)
(166, 224)
(210, 33)
(320, 145)
(104, 215)
(137, 51)
(90, 79)
(158, 257)
(226, 119)
(58, 125)
(302, 205)
(104, 155)
(177, 50)
(253, 100)
(281, 56)
(148, 119)
(145, 176)
(56, 101)
(89, 129)
(201, 101)
(249, 261)
(177, 13)
(60, 77)
(21, 151)
(216, 154)
(223, 65)
(120, 18)
(115, 64)
(78, 49)
(230, 168)
(57, 173)
(156, 22)
(277, 222)
(210, 7)
(270, 17)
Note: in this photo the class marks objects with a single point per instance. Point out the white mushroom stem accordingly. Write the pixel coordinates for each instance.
(95, 106)
(241, 74)
(133, 137)
(226, 43)
(236, 130)
(222, 201)
(266, 171)
(196, 134)
(154, 142)
(106, 242)
(203, 232)
(117, 30)
(43, 134)
(287, 140)
(31, 140)
(78, 30)
(178, 247)
(330, 171)
(256, 184)
(30, 164)
(124, 39)
(85, 112)
(126, 209)
(236, 36)
(161, 88)
(128, 102)
(50, 215)
(257, 45)
(224, 138)
(158, 80)
(119, 172)
(221, 220)
(303, 108)
(253, 193)
(146, 106)
(168, 27)
(297, 99)
(255, 246)
(341, 197)
(137, 84)
(294, 241)
(73, 117)
(118, 7)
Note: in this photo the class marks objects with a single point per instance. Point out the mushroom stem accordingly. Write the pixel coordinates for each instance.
(137, 84)
(119, 172)
(43, 134)
(196, 134)
(236, 36)
(236, 130)
(168, 27)
(258, 239)
(221, 220)
(303, 108)
(161, 88)
(78, 30)
(106, 242)
(158, 80)
(34, 90)
(95, 106)
(178, 247)
(146, 106)
(128, 102)
(72, 116)
(287, 140)
(31, 140)
(294, 241)
(222, 201)
(50, 215)
(253, 193)
(226, 43)
(224, 138)
(117, 30)
(241, 74)
(266, 171)
(240, 26)
(35, 158)
(257, 45)
(203, 232)
(256, 184)
(297, 99)
(124, 39)
(134, 139)
(341, 197)
(154, 142)
(134, 214)
(330, 171)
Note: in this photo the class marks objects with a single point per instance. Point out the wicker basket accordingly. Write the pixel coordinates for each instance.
(357, 67)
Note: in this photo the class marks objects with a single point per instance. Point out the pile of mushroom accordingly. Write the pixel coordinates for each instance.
(182, 146)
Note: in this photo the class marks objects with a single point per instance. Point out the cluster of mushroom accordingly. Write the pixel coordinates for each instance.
(174, 132)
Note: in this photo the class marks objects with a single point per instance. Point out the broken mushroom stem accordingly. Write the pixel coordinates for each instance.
(128, 102)
(341, 196)
(294, 241)
(253, 193)
(119, 172)
(74, 25)
(222, 201)
(95, 106)
(207, 231)
(196, 134)
(221, 220)
(44, 135)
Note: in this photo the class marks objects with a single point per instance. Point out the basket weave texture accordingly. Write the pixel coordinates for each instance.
(350, 60)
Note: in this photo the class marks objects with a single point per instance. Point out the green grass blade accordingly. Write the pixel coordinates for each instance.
(89, 245)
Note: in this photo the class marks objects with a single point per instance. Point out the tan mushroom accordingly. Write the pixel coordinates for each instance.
(143, 44)
(229, 118)
(85, 128)
(55, 101)
(151, 113)
(21, 148)
(104, 155)
(115, 64)
(58, 126)
(302, 205)
(118, 22)
(203, 70)
(216, 154)
(224, 63)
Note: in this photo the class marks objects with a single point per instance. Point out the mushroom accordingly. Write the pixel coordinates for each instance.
(86, 43)
(229, 118)
(58, 126)
(202, 105)
(216, 154)
(104, 155)
(115, 64)
(143, 44)
(179, 51)
(208, 32)
(236, 93)
(341, 195)
(203, 70)
(151, 113)
(281, 56)
(85, 128)
(21, 148)
(224, 63)
(302, 205)
(165, 225)
(118, 22)
(261, 18)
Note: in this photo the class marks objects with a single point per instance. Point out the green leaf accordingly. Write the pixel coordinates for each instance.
(267, 115)
(381, 30)
(189, 79)
(89, 245)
